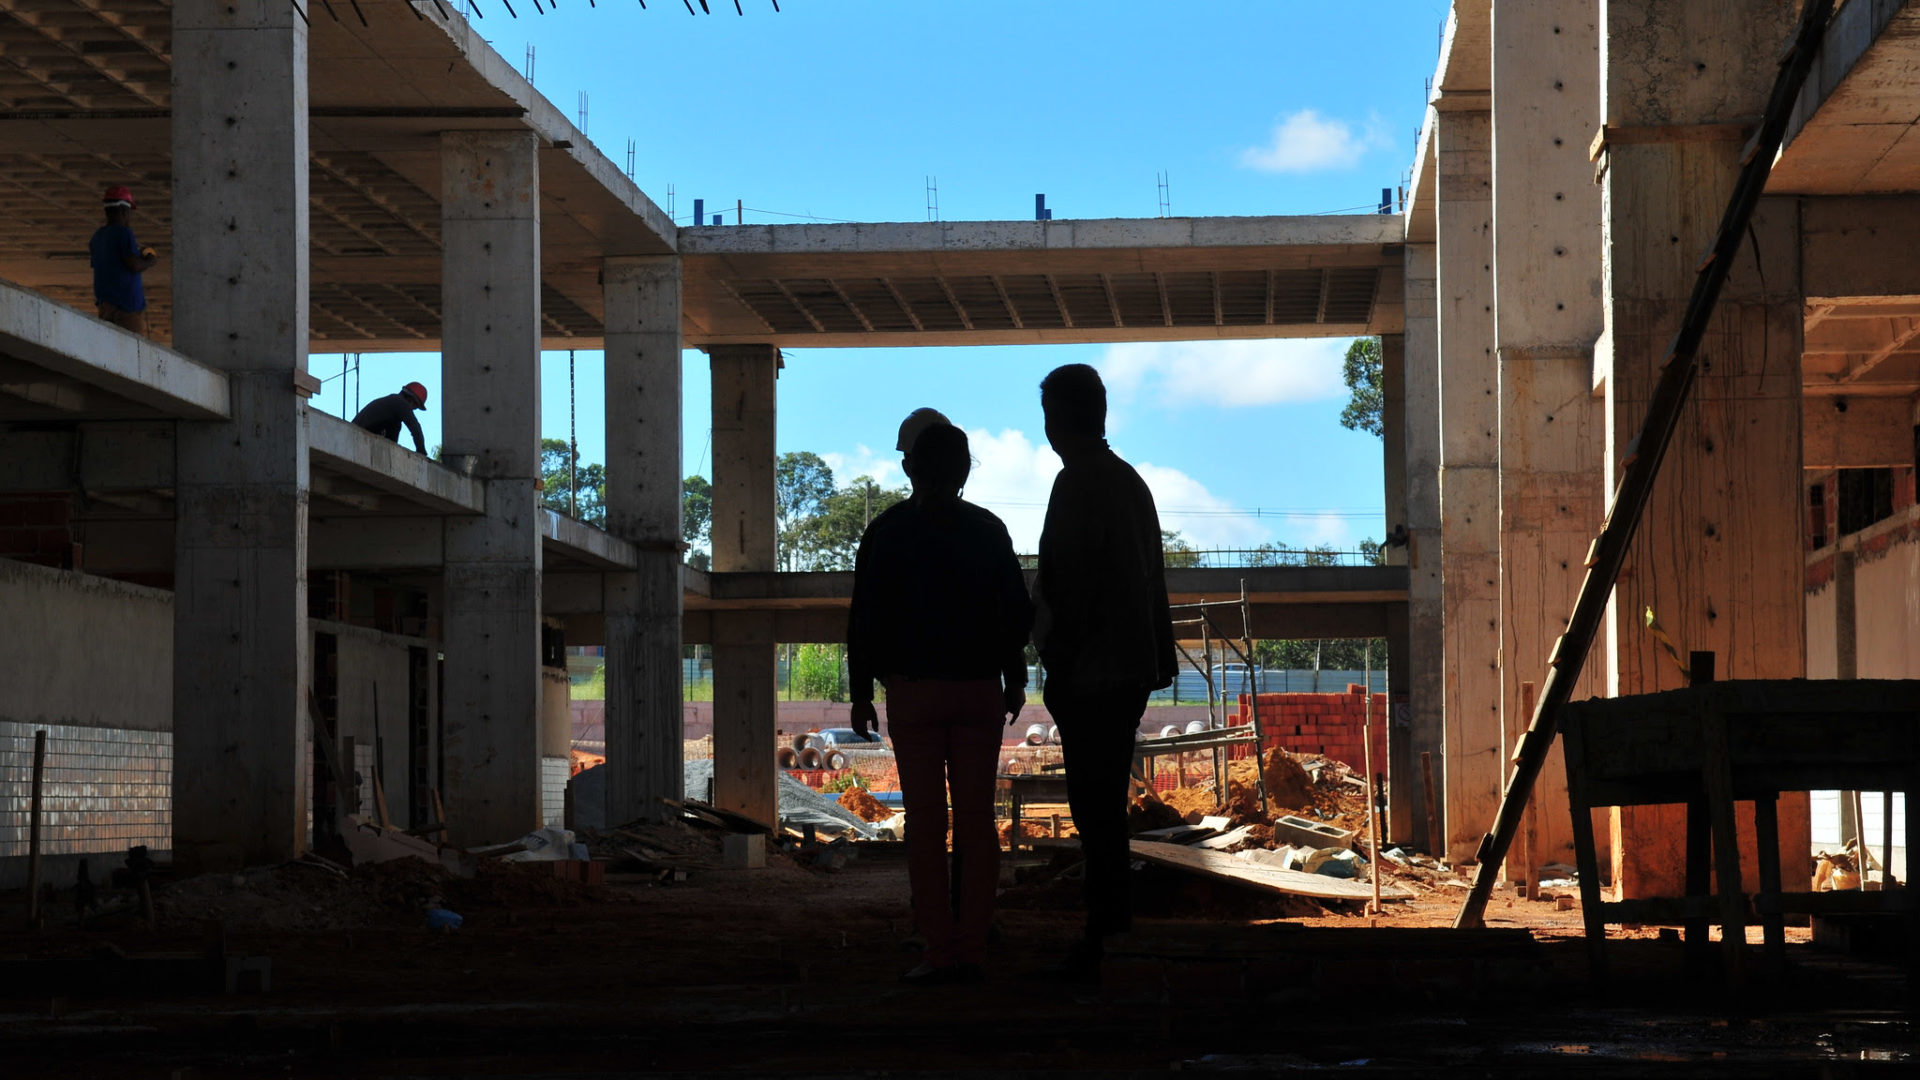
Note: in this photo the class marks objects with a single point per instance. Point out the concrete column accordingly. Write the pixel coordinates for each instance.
(1393, 439)
(743, 541)
(1469, 474)
(1419, 725)
(644, 478)
(241, 649)
(1546, 238)
(490, 304)
(1718, 555)
(1393, 457)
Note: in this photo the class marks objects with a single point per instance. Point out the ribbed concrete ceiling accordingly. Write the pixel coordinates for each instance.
(84, 98)
(951, 283)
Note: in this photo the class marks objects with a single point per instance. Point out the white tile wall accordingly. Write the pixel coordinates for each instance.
(105, 789)
(554, 774)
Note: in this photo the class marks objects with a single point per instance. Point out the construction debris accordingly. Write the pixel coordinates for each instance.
(1215, 864)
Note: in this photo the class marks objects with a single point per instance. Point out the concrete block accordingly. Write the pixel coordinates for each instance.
(1313, 834)
(745, 852)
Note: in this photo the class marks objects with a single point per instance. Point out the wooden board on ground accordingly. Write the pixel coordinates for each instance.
(1179, 834)
(718, 816)
(1216, 864)
(1226, 839)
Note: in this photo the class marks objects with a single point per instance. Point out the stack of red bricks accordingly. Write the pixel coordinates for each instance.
(36, 529)
(1328, 725)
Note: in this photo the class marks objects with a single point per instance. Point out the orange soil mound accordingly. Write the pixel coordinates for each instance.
(863, 805)
(1191, 804)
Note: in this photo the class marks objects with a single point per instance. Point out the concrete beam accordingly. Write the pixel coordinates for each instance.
(359, 542)
(1859, 246)
(54, 336)
(89, 457)
(577, 540)
(490, 221)
(341, 447)
(1330, 230)
(1858, 433)
(240, 288)
(1853, 125)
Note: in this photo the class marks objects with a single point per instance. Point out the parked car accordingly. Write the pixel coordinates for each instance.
(829, 749)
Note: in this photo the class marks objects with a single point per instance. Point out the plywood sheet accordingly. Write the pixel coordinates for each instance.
(1215, 864)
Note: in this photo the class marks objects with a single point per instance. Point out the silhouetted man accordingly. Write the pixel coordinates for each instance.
(1104, 634)
(384, 415)
(941, 615)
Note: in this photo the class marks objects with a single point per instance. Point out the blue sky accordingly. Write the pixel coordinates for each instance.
(840, 109)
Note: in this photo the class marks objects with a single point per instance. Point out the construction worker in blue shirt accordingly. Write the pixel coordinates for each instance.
(118, 261)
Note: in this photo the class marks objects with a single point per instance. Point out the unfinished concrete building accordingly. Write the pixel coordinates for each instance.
(214, 571)
(200, 569)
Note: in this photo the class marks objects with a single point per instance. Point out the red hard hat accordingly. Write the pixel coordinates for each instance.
(419, 392)
(118, 195)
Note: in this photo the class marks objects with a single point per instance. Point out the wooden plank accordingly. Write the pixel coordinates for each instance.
(1226, 839)
(1179, 834)
(1224, 867)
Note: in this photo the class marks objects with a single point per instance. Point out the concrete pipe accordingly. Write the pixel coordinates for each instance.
(810, 758)
(1036, 734)
(1195, 727)
(836, 760)
(785, 758)
(1170, 731)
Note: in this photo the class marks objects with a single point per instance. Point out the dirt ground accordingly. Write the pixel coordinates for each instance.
(793, 969)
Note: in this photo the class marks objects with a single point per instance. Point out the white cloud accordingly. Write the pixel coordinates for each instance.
(883, 468)
(1013, 476)
(1228, 374)
(1202, 518)
(1305, 141)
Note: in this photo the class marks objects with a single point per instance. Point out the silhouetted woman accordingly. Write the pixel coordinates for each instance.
(941, 615)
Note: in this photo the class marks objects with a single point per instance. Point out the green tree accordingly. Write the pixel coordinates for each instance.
(1176, 552)
(815, 674)
(1361, 370)
(569, 487)
(696, 520)
(829, 539)
(802, 484)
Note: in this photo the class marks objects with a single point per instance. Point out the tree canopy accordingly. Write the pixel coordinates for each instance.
(579, 491)
(830, 538)
(1361, 370)
(696, 520)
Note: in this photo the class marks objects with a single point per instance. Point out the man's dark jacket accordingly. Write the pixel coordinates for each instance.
(937, 594)
(384, 415)
(1102, 623)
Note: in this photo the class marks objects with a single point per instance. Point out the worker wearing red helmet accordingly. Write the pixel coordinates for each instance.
(384, 415)
(118, 261)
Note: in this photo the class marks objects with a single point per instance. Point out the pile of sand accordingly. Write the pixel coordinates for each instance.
(864, 805)
(1191, 803)
(1147, 813)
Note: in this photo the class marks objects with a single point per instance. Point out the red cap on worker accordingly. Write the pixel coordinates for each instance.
(118, 195)
(419, 393)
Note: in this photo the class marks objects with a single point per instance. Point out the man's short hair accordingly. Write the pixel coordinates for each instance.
(941, 457)
(1076, 399)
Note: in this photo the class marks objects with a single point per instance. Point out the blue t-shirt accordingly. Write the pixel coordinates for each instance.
(113, 283)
